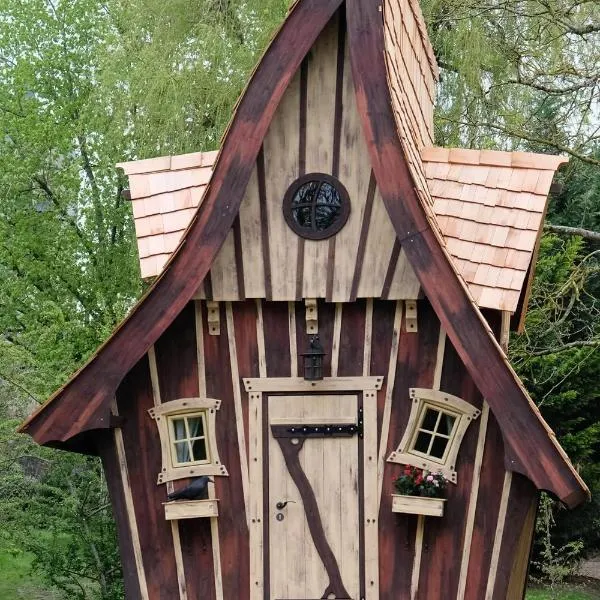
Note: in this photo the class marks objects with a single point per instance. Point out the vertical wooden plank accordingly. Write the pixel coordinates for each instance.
(237, 399)
(404, 284)
(486, 512)
(276, 336)
(251, 233)
(352, 339)
(281, 169)
(416, 570)
(371, 497)
(489, 592)
(139, 444)
(170, 487)
(440, 573)
(232, 530)
(515, 539)
(244, 317)
(335, 344)
(389, 386)
(293, 339)
(260, 338)
(378, 250)
(117, 480)
(223, 273)
(368, 337)
(355, 173)
(257, 588)
(470, 518)
(320, 113)
(414, 368)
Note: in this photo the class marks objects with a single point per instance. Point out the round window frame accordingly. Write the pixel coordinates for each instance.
(335, 227)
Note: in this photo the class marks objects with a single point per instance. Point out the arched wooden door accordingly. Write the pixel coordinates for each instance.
(318, 462)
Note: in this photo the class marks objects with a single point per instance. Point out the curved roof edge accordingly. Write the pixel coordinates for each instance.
(530, 446)
(96, 382)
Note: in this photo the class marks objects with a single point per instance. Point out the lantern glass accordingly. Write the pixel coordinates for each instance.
(313, 361)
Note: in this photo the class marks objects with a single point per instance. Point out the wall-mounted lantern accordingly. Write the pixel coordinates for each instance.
(313, 360)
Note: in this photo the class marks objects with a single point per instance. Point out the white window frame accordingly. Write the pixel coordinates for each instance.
(163, 416)
(188, 439)
(462, 411)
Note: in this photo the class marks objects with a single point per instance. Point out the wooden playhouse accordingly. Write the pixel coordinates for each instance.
(333, 299)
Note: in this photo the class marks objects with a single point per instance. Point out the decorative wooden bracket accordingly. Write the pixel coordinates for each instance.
(411, 316)
(312, 323)
(214, 323)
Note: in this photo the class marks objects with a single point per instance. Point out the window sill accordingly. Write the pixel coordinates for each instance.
(190, 509)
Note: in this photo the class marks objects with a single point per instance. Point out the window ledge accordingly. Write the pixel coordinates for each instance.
(191, 509)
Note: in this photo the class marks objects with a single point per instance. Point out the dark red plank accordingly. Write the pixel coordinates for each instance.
(144, 461)
(352, 338)
(233, 530)
(415, 367)
(110, 463)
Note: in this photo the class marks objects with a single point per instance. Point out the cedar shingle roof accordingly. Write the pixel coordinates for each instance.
(489, 206)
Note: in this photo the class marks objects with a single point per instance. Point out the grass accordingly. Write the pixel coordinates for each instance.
(582, 590)
(16, 580)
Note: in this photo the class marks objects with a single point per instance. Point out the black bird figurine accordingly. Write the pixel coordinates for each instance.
(197, 490)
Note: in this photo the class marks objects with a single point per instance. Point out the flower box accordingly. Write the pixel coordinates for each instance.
(418, 505)
(190, 509)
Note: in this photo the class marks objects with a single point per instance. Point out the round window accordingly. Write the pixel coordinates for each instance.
(316, 206)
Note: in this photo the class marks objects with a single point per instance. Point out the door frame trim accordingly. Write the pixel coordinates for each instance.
(259, 389)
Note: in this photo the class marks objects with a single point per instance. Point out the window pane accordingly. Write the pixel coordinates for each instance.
(430, 419)
(439, 447)
(179, 429)
(199, 449)
(446, 424)
(183, 452)
(196, 428)
(422, 442)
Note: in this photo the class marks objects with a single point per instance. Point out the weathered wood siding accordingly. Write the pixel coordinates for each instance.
(316, 129)
(486, 511)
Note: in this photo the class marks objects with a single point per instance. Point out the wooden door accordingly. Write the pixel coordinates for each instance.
(313, 496)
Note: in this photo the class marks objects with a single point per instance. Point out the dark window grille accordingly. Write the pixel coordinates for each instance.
(316, 206)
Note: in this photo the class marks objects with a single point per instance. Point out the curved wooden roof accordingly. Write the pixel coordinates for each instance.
(84, 403)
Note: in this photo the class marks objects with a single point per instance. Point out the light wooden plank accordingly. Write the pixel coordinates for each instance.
(223, 273)
(297, 384)
(470, 521)
(260, 341)
(181, 582)
(214, 523)
(335, 346)
(439, 359)
(368, 337)
(405, 285)
(190, 509)
(256, 498)
(281, 169)
(129, 507)
(355, 173)
(251, 236)
(371, 512)
(505, 330)
(154, 376)
(389, 390)
(321, 89)
(293, 338)
(237, 400)
(378, 251)
(489, 592)
(416, 571)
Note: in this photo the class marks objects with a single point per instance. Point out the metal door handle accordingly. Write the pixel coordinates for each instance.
(281, 505)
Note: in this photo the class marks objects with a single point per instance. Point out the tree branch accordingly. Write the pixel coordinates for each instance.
(565, 347)
(564, 230)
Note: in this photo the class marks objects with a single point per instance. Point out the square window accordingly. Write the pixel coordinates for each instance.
(188, 440)
(434, 433)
